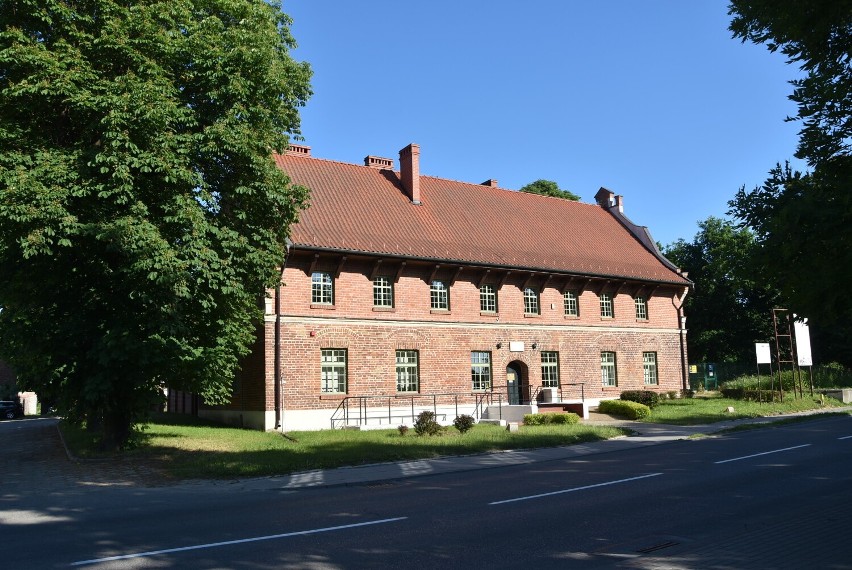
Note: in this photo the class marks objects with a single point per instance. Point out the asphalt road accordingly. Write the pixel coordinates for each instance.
(776, 497)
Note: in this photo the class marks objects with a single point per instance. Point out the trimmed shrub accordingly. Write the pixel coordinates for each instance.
(650, 399)
(464, 422)
(568, 418)
(542, 419)
(426, 424)
(630, 410)
(403, 429)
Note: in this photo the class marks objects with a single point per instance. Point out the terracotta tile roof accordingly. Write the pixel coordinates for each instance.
(361, 209)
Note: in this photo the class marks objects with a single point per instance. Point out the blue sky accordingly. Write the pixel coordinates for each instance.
(653, 99)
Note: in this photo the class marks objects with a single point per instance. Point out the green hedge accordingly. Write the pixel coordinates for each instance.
(650, 399)
(626, 408)
(542, 419)
(738, 393)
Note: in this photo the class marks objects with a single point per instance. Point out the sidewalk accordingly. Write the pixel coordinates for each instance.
(645, 434)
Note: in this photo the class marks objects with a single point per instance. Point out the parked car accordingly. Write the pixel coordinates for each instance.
(10, 409)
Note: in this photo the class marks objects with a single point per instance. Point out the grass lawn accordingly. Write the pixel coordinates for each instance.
(204, 451)
(186, 448)
(711, 408)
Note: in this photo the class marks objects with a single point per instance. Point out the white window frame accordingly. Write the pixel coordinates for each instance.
(549, 369)
(641, 304)
(571, 303)
(488, 298)
(607, 311)
(649, 368)
(439, 296)
(382, 292)
(609, 369)
(322, 288)
(480, 370)
(333, 371)
(531, 302)
(407, 371)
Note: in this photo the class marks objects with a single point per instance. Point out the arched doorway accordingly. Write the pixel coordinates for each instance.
(517, 383)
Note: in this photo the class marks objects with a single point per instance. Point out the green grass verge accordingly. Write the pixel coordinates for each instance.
(712, 409)
(204, 451)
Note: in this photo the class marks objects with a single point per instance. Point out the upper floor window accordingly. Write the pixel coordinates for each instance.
(606, 306)
(531, 301)
(488, 299)
(322, 290)
(608, 371)
(480, 370)
(572, 307)
(439, 295)
(407, 371)
(333, 366)
(641, 308)
(550, 369)
(382, 292)
(649, 366)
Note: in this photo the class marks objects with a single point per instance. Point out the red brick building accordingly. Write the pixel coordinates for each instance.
(403, 292)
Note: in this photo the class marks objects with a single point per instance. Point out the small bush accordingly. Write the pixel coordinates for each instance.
(629, 409)
(463, 422)
(403, 429)
(569, 418)
(534, 419)
(650, 399)
(673, 394)
(426, 424)
(542, 419)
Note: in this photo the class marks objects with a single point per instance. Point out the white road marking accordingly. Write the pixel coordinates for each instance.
(575, 489)
(759, 454)
(230, 542)
(845, 437)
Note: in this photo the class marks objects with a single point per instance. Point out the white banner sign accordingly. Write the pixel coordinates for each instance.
(763, 354)
(803, 343)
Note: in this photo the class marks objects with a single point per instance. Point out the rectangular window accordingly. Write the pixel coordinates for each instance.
(530, 301)
(382, 292)
(322, 291)
(407, 371)
(649, 365)
(488, 299)
(439, 296)
(333, 371)
(572, 307)
(641, 308)
(606, 306)
(550, 369)
(480, 370)
(608, 370)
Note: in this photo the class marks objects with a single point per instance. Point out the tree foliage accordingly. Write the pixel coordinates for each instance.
(141, 214)
(730, 309)
(548, 188)
(803, 222)
(816, 35)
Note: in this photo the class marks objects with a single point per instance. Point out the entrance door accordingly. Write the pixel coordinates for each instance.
(513, 380)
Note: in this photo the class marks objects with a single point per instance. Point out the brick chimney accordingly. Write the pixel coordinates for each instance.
(378, 162)
(490, 182)
(298, 150)
(409, 170)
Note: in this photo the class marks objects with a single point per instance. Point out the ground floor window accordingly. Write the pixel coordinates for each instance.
(333, 371)
(480, 370)
(608, 370)
(649, 365)
(550, 369)
(407, 373)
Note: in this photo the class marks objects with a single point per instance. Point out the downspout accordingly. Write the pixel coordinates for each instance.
(681, 325)
(277, 350)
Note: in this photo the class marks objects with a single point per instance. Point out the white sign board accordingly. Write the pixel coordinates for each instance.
(803, 343)
(516, 346)
(763, 354)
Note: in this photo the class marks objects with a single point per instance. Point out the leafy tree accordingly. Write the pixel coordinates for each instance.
(548, 188)
(817, 35)
(803, 222)
(141, 214)
(729, 310)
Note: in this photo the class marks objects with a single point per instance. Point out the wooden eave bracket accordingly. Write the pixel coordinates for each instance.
(313, 266)
(434, 273)
(527, 281)
(455, 276)
(483, 278)
(546, 281)
(503, 280)
(339, 266)
(399, 272)
(376, 267)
